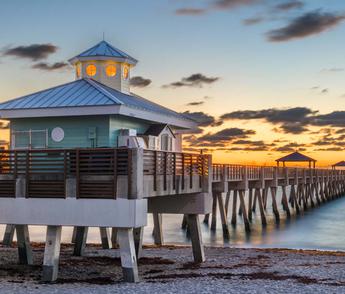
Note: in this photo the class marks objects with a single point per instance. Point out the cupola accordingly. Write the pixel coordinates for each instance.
(105, 64)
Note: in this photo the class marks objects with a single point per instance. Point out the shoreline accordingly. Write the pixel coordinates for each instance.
(170, 269)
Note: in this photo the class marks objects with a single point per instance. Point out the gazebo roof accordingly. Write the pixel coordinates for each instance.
(340, 163)
(296, 157)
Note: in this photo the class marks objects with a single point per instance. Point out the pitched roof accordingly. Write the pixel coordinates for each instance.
(295, 157)
(156, 130)
(85, 92)
(103, 48)
(340, 163)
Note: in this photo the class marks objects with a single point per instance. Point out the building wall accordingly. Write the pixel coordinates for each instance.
(118, 122)
(76, 129)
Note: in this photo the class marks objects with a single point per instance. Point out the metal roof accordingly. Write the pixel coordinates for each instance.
(85, 92)
(295, 157)
(341, 163)
(103, 48)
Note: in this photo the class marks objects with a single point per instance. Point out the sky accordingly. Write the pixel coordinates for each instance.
(261, 77)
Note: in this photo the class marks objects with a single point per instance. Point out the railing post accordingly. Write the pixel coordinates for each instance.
(207, 178)
(137, 174)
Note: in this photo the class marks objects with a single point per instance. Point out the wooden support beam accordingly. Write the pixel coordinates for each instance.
(227, 202)
(261, 207)
(254, 202)
(74, 234)
(244, 210)
(225, 226)
(24, 247)
(158, 231)
(234, 208)
(51, 254)
(250, 205)
(138, 241)
(195, 234)
(214, 213)
(207, 218)
(8, 235)
(274, 204)
(184, 221)
(294, 199)
(114, 243)
(285, 202)
(105, 238)
(80, 241)
(128, 255)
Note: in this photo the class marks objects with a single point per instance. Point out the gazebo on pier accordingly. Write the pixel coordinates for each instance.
(296, 157)
(339, 164)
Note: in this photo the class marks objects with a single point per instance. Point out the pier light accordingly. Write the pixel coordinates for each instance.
(110, 70)
(125, 72)
(91, 70)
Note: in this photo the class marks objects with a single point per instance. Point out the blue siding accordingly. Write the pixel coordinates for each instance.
(76, 129)
(118, 122)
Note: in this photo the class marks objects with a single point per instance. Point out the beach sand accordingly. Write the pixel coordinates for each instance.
(170, 269)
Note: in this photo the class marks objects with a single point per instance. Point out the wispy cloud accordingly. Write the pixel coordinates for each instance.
(252, 21)
(140, 82)
(289, 5)
(34, 52)
(194, 80)
(190, 11)
(311, 23)
(195, 103)
(50, 67)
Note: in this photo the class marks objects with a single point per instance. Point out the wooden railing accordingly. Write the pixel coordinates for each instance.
(45, 172)
(94, 172)
(175, 164)
(231, 172)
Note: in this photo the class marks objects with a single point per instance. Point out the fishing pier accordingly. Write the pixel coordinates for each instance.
(117, 188)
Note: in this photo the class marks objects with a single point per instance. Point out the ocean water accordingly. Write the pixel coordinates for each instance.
(318, 228)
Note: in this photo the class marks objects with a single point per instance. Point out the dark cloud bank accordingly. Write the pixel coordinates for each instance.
(140, 82)
(194, 80)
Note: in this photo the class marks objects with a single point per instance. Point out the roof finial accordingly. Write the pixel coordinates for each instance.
(103, 36)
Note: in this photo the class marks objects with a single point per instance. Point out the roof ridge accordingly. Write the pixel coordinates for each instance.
(105, 92)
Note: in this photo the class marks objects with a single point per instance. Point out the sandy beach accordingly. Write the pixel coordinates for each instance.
(170, 269)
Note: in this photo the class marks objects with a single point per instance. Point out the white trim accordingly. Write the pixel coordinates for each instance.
(74, 212)
(97, 110)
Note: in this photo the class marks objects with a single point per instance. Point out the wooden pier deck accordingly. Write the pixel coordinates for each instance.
(117, 188)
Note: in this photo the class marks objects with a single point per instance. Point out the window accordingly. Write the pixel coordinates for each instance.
(125, 72)
(91, 70)
(165, 143)
(110, 70)
(30, 139)
(78, 70)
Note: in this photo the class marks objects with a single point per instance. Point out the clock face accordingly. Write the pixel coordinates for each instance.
(110, 70)
(58, 134)
(125, 72)
(91, 70)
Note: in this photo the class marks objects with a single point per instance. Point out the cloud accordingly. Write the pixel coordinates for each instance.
(190, 11)
(295, 4)
(231, 4)
(324, 91)
(290, 147)
(227, 135)
(335, 119)
(34, 52)
(50, 67)
(140, 82)
(293, 128)
(291, 120)
(195, 103)
(333, 69)
(333, 149)
(309, 24)
(194, 80)
(203, 119)
(252, 21)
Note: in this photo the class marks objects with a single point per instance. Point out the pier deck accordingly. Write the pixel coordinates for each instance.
(117, 188)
